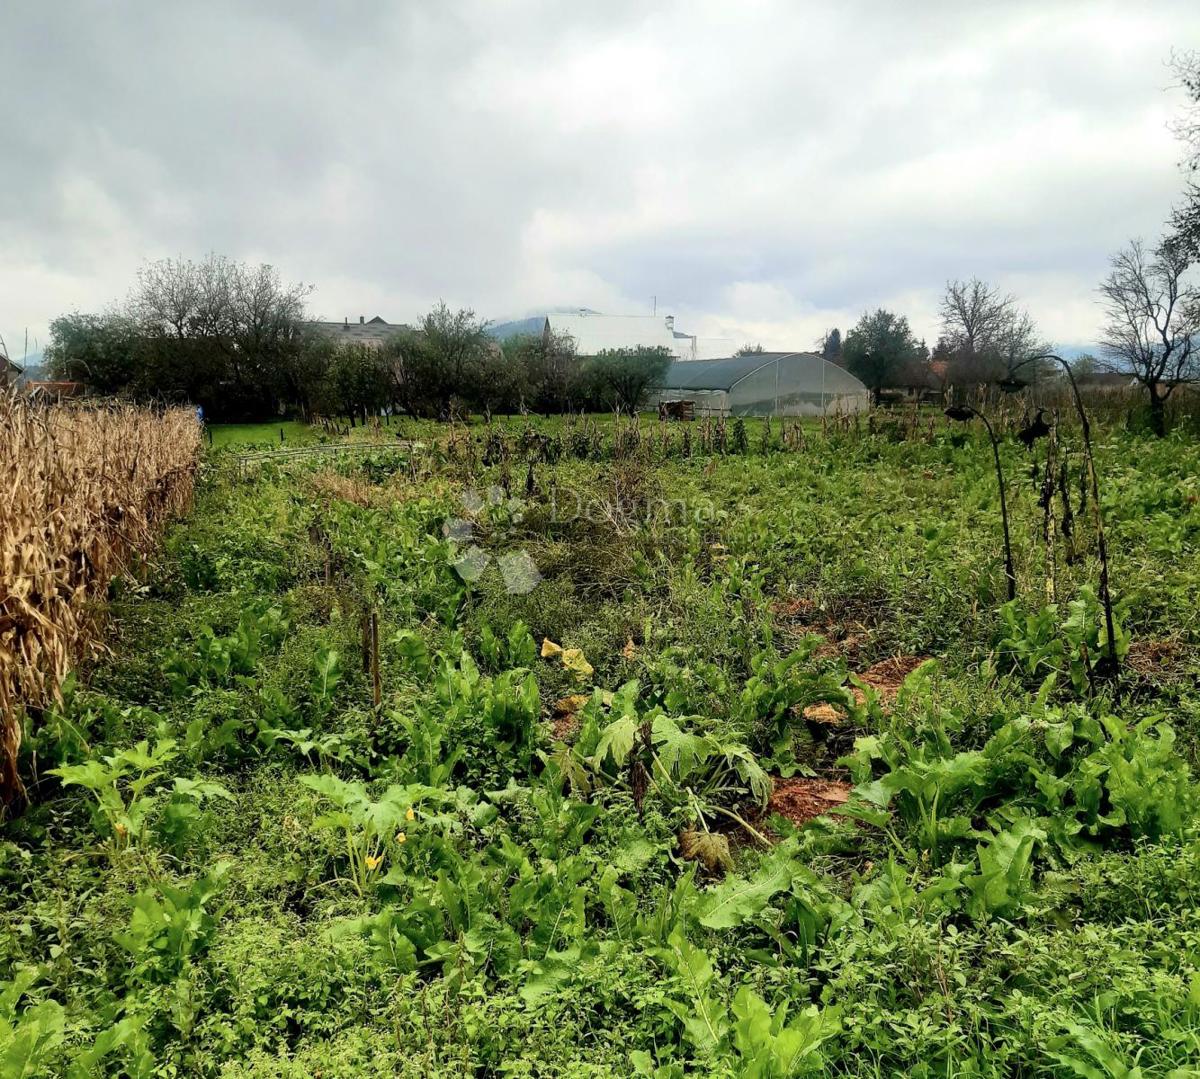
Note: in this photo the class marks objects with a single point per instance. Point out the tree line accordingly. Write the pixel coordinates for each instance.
(1150, 333)
(234, 339)
(985, 336)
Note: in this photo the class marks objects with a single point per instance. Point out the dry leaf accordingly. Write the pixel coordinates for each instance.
(824, 712)
(629, 651)
(568, 706)
(549, 648)
(707, 848)
(575, 662)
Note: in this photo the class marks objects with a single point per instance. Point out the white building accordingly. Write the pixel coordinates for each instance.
(594, 333)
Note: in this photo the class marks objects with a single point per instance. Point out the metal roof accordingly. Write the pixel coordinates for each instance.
(724, 374)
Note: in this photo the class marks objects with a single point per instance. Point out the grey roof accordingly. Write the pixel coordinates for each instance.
(353, 331)
(522, 327)
(723, 374)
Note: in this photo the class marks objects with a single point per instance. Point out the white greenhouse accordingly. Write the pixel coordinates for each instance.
(764, 384)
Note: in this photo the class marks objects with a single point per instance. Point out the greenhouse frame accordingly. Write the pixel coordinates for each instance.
(764, 384)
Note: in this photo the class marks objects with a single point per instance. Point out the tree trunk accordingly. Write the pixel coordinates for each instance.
(1158, 411)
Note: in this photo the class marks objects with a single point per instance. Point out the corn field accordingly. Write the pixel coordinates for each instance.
(85, 490)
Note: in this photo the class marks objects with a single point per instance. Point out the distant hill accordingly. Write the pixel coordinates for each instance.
(503, 329)
(1071, 353)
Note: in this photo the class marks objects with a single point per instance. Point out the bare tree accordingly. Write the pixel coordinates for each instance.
(1153, 319)
(973, 315)
(985, 336)
(1187, 125)
(1185, 220)
(167, 300)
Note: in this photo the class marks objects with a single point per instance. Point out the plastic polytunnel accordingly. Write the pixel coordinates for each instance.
(764, 384)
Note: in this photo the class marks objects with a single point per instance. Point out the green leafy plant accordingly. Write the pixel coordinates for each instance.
(372, 830)
(123, 785)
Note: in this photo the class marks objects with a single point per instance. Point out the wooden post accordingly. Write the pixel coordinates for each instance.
(376, 681)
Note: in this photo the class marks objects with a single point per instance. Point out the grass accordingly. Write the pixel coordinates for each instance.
(530, 833)
(264, 435)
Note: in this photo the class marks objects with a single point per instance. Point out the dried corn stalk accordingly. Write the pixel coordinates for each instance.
(82, 490)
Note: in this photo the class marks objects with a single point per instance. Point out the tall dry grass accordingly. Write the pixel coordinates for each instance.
(83, 490)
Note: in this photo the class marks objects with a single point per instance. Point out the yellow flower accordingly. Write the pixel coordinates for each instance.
(374, 863)
(410, 815)
(401, 837)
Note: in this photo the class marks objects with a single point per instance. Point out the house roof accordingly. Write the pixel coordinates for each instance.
(724, 374)
(62, 387)
(361, 331)
(534, 326)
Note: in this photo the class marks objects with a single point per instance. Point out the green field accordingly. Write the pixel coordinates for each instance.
(261, 434)
(577, 749)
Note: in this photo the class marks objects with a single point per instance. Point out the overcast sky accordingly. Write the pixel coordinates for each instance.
(765, 169)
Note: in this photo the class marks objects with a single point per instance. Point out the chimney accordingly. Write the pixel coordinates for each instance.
(362, 319)
(670, 320)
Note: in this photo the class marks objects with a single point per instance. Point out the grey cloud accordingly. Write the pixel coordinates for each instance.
(506, 156)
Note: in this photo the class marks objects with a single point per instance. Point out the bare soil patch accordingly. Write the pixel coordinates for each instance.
(1165, 659)
(800, 799)
(565, 721)
(885, 677)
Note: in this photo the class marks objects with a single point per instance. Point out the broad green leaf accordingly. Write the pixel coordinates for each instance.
(736, 899)
(616, 741)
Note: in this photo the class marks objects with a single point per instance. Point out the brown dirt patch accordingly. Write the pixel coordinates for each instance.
(1163, 658)
(565, 722)
(565, 728)
(797, 617)
(885, 677)
(801, 800)
(797, 608)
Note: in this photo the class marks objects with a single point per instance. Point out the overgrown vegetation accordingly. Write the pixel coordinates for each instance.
(471, 758)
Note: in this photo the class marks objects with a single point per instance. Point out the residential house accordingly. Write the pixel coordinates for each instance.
(370, 334)
(10, 372)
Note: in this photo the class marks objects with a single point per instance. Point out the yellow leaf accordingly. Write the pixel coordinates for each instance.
(409, 814)
(629, 651)
(575, 662)
(708, 848)
(568, 706)
(549, 648)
